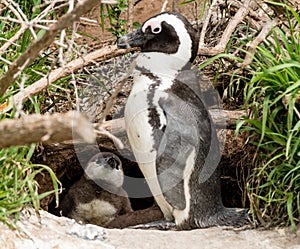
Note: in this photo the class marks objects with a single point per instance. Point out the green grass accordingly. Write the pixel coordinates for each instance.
(18, 186)
(273, 96)
(114, 14)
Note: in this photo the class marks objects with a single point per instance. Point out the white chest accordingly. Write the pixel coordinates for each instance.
(138, 128)
(145, 95)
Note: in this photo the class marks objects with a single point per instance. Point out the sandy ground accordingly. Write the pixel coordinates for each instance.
(62, 233)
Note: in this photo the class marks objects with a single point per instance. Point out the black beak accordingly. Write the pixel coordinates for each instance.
(131, 40)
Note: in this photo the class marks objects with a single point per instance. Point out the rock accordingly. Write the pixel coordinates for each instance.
(88, 231)
(208, 238)
(63, 233)
(50, 231)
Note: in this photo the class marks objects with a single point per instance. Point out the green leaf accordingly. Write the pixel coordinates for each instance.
(289, 205)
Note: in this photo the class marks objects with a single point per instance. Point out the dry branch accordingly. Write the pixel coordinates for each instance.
(101, 54)
(268, 26)
(32, 52)
(206, 22)
(48, 129)
(20, 31)
(137, 217)
(130, 12)
(174, 5)
(221, 118)
(220, 47)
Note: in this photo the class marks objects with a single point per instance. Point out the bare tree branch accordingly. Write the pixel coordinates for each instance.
(238, 17)
(137, 217)
(48, 129)
(268, 26)
(31, 52)
(221, 118)
(101, 54)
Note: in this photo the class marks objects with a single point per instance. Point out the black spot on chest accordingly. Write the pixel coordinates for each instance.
(154, 118)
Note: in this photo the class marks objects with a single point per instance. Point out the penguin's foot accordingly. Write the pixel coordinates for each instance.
(233, 217)
(158, 225)
(230, 217)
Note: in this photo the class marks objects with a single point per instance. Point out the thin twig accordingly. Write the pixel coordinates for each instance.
(24, 17)
(32, 52)
(112, 99)
(18, 34)
(164, 6)
(101, 54)
(206, 22)
(14, 11)
(104, 133)
(130, 18)
(268, 26)
(174, 5)
(230, 28)
(5, 61)
(63, 36)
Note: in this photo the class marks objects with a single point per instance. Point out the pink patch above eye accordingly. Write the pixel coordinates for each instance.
(155, 26)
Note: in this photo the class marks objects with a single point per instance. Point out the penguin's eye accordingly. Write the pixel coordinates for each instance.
(156, 30)
(112, 163)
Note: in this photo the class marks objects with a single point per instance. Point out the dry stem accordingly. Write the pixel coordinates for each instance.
(48, 129)
(221, 118)
(206, 22)
(32, 52)
(220, 48)
(103, 54)
(130, 12)
(268, 26)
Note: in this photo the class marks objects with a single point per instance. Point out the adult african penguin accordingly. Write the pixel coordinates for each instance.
(169, 128)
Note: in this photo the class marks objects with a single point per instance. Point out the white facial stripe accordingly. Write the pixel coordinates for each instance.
(185, 48)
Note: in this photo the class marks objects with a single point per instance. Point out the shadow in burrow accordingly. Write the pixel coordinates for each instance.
(63, 159)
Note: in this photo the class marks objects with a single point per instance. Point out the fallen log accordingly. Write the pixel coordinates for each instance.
(62, 127)
(221, 118)
(137, 217)
(47, 129)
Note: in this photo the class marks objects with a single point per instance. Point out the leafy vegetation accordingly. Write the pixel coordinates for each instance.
(273, 96)
(18, 186)
(271, 93)
(114, 14)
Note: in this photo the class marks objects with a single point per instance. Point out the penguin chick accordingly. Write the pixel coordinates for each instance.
(169, 127)
(98, 197)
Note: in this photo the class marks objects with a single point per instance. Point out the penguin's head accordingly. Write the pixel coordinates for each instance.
(105, 167)
(168, 33)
